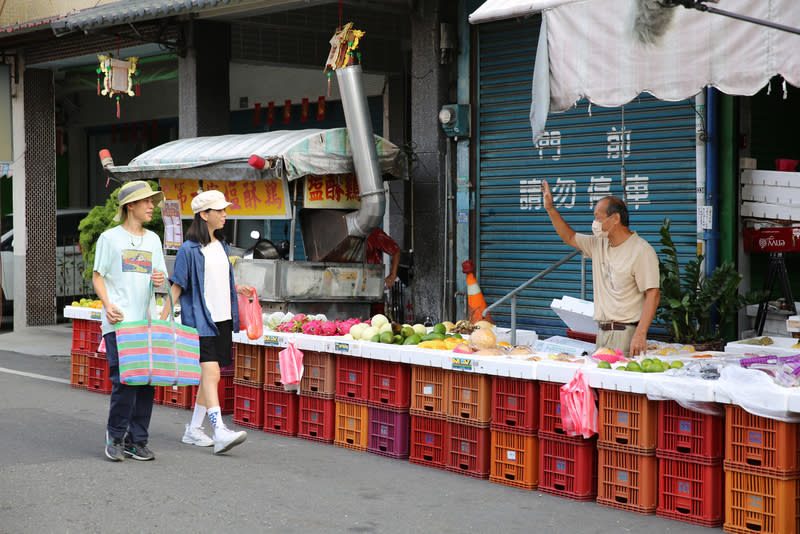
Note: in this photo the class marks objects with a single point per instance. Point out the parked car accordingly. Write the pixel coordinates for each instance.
(69, 261)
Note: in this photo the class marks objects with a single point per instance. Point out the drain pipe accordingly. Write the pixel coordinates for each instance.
(365, 158)
(712, 181)
(701, 138)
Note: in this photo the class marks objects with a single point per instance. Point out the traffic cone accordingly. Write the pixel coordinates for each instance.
(475, 301)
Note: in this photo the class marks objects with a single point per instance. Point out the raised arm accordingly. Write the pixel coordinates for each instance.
(565, 231)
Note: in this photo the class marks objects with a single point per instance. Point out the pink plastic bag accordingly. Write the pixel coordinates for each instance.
(250, 315)
(290, 361)
(578, 406)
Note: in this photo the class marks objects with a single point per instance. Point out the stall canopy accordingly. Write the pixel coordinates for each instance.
(290, 155)
(610, 51)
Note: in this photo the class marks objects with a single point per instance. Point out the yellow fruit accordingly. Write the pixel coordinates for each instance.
(75, 303)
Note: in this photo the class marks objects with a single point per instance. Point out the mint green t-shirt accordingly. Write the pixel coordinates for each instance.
(126, 262)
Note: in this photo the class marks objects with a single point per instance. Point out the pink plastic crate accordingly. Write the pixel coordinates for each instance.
(388, 433)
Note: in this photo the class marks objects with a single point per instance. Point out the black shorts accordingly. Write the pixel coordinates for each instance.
(218, 348)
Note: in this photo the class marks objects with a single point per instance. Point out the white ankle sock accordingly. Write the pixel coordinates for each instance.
(198, 416)
(215, 416)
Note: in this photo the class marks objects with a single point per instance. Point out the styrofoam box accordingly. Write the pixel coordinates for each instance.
(770, 211)
(524, 337)
(558, 344)
(576, 314)
(781, 346)
(774, 178)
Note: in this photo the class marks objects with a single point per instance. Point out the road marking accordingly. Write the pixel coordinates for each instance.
(34, 375)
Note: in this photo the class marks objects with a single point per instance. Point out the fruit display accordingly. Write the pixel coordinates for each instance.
(87, 303)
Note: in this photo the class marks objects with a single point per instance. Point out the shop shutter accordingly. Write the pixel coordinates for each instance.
(581, 157)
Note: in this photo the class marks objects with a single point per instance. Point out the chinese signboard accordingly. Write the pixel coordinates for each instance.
(337, 191)
(264, 199)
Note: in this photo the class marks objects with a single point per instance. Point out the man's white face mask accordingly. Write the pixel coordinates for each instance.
(597, 229)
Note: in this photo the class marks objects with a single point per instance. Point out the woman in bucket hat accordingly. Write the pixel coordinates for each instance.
(203, 280)
(127, 260)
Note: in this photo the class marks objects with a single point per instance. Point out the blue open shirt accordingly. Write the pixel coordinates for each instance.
(190, 274)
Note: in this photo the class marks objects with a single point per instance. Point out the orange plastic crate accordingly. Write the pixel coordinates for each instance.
(629, 420)
(469, 401)
(249, 363)
(568, 468)
(515, 405)
(352, 426)
(429, 391)
(627, 480)
(319, 375)
(514, 460)
(79, 370)
(689, 436)
(468, 449)
(759, 503)
(759, 445)
(272, 369)
(690, 492)
(428, 442)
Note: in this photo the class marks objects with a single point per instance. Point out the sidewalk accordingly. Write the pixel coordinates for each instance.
(52, 340)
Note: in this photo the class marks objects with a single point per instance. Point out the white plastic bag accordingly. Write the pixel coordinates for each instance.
(756, 392)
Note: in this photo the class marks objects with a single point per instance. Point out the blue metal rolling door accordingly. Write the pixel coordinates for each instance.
(515, 237)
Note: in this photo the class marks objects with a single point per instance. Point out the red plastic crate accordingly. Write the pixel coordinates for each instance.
(568, 468)
(515, 405)
(352, 379)
(272, 369)
(689, 436)
(352, 426)
(158, 396)
(468, 450)
(79, 370)
(628, 420)
(469, 401)
(550, 412)
(627, 480)
(178, 397)
(224, 393)
(249, 363)
(319, 375)
(388, 433)
(429, 391)
(317, 419)
(86, 336)
(583, 336)
(390, 385)
(514, 460)
(97, 380)
(760, 503)
(759, 445)
(281, 412)
(691, 492)
(248, 406)
(428, 442)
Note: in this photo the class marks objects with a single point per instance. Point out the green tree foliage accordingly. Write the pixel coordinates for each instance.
(100, 219)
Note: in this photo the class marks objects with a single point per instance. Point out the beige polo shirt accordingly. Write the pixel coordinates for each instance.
(620, 276)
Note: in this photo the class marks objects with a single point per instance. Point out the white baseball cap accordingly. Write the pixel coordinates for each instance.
(209, 200)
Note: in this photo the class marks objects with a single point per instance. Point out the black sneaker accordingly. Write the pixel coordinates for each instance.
(138, 451)
(114, 448)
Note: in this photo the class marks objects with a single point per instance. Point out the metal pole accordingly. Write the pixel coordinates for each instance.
(513, 320)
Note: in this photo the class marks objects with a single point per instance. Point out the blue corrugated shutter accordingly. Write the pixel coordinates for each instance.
(580, 154)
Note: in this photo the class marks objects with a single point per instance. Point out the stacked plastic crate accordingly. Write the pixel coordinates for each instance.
(429, 400)
(567, 464)
(515, 420)
(762, 474)
(225, 391)
(88, 368)
(389, 401)
(469, 415)
(281, 407)
(248, 385)
(352, 397)
(317, 408)
(690, 453)
(627, 463)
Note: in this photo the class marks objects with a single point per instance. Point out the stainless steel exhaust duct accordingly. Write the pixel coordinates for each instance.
(330, 235)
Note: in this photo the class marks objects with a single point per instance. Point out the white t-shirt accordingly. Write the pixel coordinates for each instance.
(217, 283)
(620, 276)
(125, 262)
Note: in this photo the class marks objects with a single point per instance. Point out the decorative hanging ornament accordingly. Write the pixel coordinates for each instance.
(119, 77)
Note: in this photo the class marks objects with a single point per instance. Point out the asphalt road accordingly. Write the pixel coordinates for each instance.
(55, 478)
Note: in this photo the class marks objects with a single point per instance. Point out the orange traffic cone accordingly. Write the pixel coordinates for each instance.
(475, 301)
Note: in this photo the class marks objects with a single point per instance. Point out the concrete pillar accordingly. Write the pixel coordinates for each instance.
(395, 102)
(35, 196)
(204, 80)
(428, 93)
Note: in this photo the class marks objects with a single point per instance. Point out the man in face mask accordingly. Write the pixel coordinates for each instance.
(624, 273)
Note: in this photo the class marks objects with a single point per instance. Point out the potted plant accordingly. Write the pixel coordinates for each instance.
(690, 302)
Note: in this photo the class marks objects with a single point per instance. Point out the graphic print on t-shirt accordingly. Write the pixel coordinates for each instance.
(137, 261)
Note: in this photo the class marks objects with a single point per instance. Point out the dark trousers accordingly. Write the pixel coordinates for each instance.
(131, 406)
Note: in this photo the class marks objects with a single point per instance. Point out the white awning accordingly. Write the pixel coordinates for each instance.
(506, 9)
(610, 51)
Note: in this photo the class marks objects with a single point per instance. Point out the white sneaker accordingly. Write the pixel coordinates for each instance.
(226, 439)
(196, 436)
